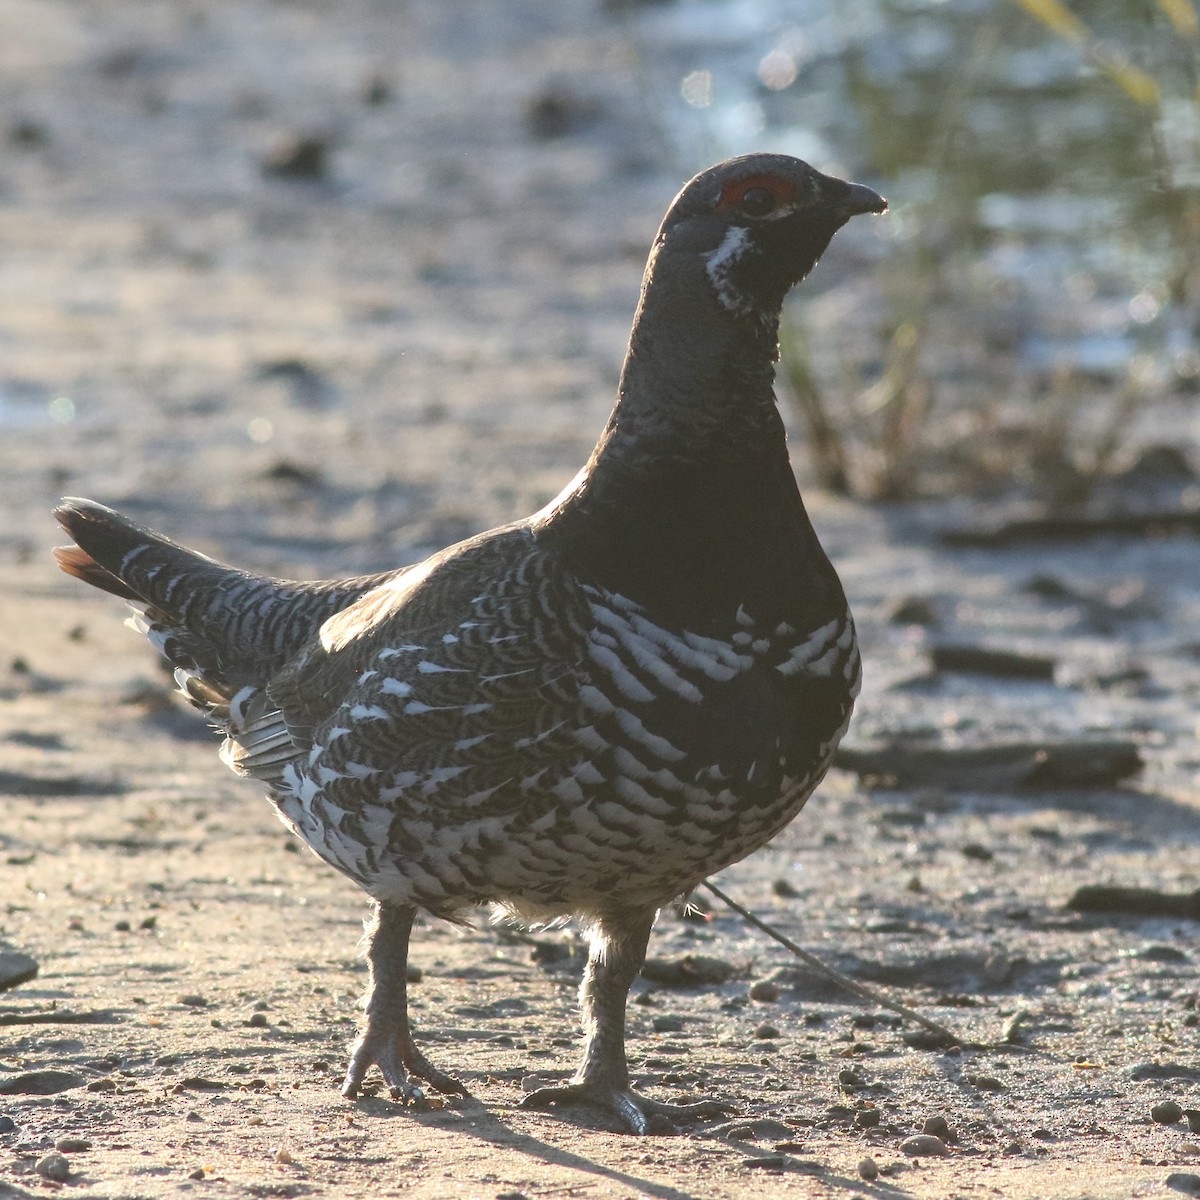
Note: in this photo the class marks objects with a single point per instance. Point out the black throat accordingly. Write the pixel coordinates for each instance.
(688, 504)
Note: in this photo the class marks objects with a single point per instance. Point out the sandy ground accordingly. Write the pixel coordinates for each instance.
(325, 376)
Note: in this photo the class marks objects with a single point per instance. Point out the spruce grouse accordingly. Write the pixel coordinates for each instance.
(583, 713)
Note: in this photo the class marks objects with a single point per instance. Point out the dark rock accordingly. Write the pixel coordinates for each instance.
(1135, 901)
(1003, 664)
(1184, 1181)
(1167, 1070)
(914, 610)
(301, 157)
(937, 1127)
(761, 1129)
(692, 970)
(558, 111)
(1033, 765)
(40, 1083)
(16, 968)
(924, 1145)
(1166, 1113)
(53, 1166)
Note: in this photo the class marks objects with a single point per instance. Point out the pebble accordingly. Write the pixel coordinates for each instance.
(40, 1083)
(868, 1169)
(193, 1000)
(53, 1166)
(1184, 1181)
(766, 1032)
(664, 1023)
(924, 1145)
(1166, 1113)
(758, 1129)
(16, 968)
(985, 1083)
(937, 1127)
(7, 1124)
(198, 1173)
(284, 1156)
(1192, 1116)
(691, 970)
(299, 157)
(72, 1145)
(258, 1021)
(867, 1118)
(765, 990)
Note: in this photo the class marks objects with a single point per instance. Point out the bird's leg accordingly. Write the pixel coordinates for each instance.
(387, 1041)
(616, 954)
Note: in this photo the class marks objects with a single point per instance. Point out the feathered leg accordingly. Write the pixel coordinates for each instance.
(387, 1040)
(616, 954)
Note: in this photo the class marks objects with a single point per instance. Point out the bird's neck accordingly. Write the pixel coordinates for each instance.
(688, 503)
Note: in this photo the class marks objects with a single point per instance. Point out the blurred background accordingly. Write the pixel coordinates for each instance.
(361, 275)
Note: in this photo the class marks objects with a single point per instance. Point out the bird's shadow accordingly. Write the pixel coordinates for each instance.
(484, 1123)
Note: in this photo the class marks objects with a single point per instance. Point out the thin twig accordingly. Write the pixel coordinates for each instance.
(851, 985)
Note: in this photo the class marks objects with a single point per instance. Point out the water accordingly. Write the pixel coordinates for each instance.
(1045, 191)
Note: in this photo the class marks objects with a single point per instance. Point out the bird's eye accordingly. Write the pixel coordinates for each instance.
(757, 202)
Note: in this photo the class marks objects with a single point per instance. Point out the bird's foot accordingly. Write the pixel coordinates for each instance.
(400, 1062)
(638, 1113)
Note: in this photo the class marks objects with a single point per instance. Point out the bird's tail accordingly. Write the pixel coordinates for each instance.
(223, 630)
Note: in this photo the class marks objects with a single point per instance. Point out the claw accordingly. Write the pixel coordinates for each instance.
(639, 1114)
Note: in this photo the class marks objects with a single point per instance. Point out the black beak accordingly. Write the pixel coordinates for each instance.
(860, 199)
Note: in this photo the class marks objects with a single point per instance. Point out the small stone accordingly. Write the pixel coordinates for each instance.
(198, 1173)
(785, 889)
(72, 1145)
(1184, 1181)
(924, 1145)
(985, 1083)
(765, 990)
(284, 1156)
(193, 1000)
(102, 1085)
(665, 1023)
(1166, 1113)
(299, 158)
(766, 1032)
(16, 968)
(258, 1021)
(868, 1169)
(851, 1078)
(867, 1118)
(148, 923)
(40, 1083)
(122, 926)
(937, 1127)
(7, 1124)
(53, 1166)
(1192, 1117)
(914, 610)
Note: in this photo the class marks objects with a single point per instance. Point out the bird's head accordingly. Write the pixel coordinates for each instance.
(758, 224)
